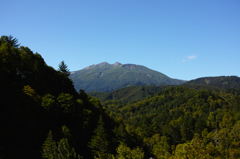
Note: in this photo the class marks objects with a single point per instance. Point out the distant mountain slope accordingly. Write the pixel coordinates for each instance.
(224, 82)
(129, 94)
(136, 93)
(108, 77)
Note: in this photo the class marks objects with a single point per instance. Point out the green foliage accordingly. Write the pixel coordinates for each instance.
(225, 82)
(35, 98)
(128, 94)
(48, 101)
(10, 41)
(124, 152)
(161, 149)
(58, 150)
(99, 142)
(66, 101)
(178, 113)
(193, 149)
(49, 147)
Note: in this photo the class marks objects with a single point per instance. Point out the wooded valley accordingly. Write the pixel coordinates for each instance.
(43, 116)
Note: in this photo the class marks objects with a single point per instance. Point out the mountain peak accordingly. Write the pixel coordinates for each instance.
(89, 66)
(102, 64)
(107, 77)
(99, 65)
(117, 64)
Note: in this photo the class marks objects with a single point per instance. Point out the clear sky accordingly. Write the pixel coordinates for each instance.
(183, 39)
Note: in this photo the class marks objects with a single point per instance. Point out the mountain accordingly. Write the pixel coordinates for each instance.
(224, 82)
(107, 77)
(137, 93)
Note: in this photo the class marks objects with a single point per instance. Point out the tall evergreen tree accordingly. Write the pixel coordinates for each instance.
(99, 142)
(10, 41)
(63, 68)
(59, 150)
(49, 147)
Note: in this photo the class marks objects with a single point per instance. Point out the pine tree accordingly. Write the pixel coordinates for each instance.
(10, 41)
(99, 143)
(61, 149)
(49, 147)
(63, 68)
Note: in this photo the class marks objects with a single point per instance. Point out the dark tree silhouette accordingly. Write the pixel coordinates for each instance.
(10, 40)
(63, 68)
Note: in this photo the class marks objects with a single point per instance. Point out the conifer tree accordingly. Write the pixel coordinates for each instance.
(63, 68)
(99, 143)
(61, 149)
(10, 41)
(49, 147)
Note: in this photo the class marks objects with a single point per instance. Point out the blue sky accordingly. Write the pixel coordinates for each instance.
(184, 39)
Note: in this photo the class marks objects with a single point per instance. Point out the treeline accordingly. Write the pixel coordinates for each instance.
(224, 82)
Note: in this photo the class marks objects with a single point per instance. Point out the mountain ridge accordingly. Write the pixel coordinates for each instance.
(136, 93)
(226, 82)
(108, 77)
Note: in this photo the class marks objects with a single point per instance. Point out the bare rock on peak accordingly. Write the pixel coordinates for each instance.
(89, 67)
(102, 64)
(116, 64)
(130, 66)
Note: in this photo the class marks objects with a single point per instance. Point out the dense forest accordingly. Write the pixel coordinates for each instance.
(129, 94)
(180, 121)
(137, 93)
(43, 116)
(226, 82)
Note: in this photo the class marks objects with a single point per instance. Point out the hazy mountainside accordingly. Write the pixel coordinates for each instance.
(129, 94)
(136, 93)
(108, 77)
(225, 82)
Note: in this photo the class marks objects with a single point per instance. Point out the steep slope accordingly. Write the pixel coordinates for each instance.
(42, 115)
(108, 77)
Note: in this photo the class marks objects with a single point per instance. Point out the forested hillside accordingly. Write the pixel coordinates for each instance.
(129, 94)
(107, 77)
(42, 116)
(186, 123)
(136, 93)
(225, 82)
